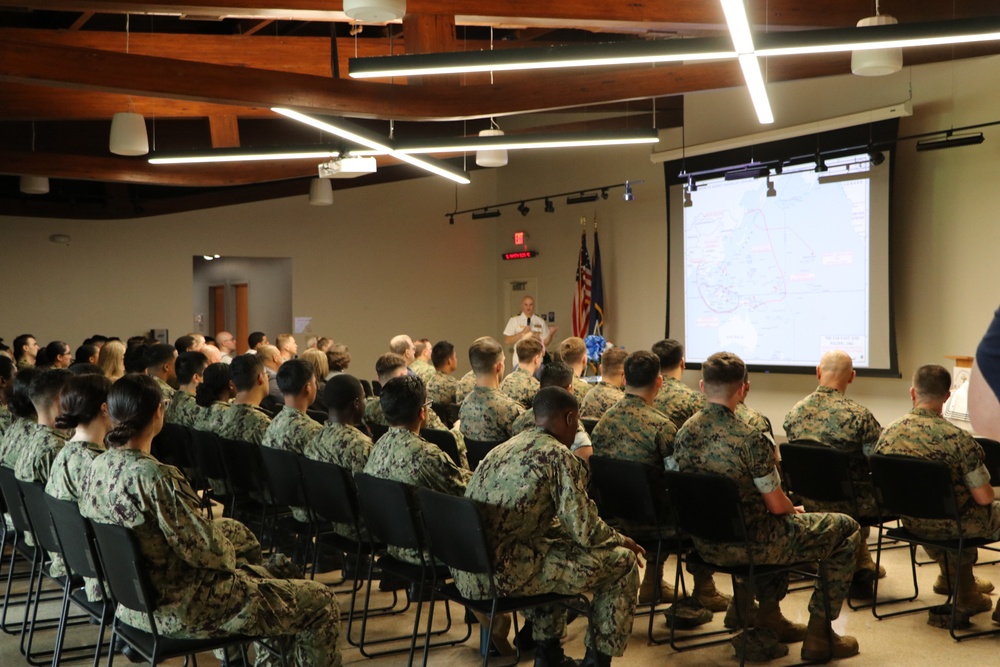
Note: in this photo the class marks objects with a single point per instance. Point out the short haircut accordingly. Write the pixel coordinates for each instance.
(420, 345)
(614, 358)
(134, 359)
(282, 340)
(84, 353)
(267, 351)
(527, 349)
(670, 352)
(45, 387)
(484, 354)
(441, 353)
(642, 367)
(401, 399)
(155, 356)
(81, 400)
(553, 401)
(19, 344)
(317, 360)
(188, 365)
(245, 368)
(6, 367)
(556, 374)
(338, 358)
(341, 391)
(724, 371)
(572, 350)
(294, 375)
(932, 382)
(400, 344)
(139, 340)
(19, 402)
(387, 364)
(255, 339)
(86, 369)
(216, 383)
(184, 343)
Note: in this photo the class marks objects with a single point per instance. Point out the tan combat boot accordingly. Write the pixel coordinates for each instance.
(501, 628)
(816, 645)
(968, 598)
(647, 589)
(735, 610)
(706, 592)
(942, 585)
(770, 617)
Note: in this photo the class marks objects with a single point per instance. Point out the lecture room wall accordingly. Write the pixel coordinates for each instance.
(383, 259)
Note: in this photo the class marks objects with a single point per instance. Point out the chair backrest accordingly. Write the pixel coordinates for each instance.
(284, 476)
(378, 430)
(455, 533)
(14, 500)
(478, 449)
(376, 388)
(817, 471)
(75, 537)
(272, 405)
(917, 488)
(42, 529)
(244, 468)
(331, 492)
(991, 448)
(588, 424)
(707, 506)
(318, 416)
(448, 412)
(367, 386)
(389, 510)
(172, 444)
(445, 440)
(122, 564)
(630, 491)
(207, 459)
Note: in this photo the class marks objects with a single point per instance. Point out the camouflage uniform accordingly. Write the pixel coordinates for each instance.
(580, 389)
(6, 419)
(373, 415)
(23, 363)
(634, 431)
(210, 418)
(714, 441)
(14, 440)
(599, 400)
(34, 464)
(441, 388)
(548, 538)
(423, 370)
(183, 410)
(829, 417)
(241, 421)
(165, 389)
(403, 456)
(678, 401)
(292, 430)
(527, 420)
(346, 446)
(465, 386)
(753, 418)
(521, 386)
(487, 414)
(207, 574)
(69, 469)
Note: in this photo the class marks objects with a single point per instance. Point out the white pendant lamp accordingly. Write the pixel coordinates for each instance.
(491, 158)
(34, 185)
(374, 11)
(128, 134)
(320, 192)
(877, 62)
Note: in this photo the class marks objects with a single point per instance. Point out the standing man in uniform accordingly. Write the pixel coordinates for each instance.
(528, 324)
(676, 400)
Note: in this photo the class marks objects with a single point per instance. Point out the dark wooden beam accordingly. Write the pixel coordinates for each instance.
(257, 27)
(225, 131)
(82, 20)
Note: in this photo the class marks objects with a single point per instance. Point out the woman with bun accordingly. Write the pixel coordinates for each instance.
(214, 394)
(208, 574)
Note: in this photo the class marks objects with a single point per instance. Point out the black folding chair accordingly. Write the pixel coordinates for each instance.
(285, 489)
(245, 476)
(920, 489)
(478, 449)
(172, 444)
(448, 412)
(588, 424)
(378, 430)
(445, 440)
(210, 473)
(456, 537)
(709, 509)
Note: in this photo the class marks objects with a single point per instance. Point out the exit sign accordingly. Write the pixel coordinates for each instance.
(519, 238)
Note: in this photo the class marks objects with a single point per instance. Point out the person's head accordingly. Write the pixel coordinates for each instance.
(138, 340)
(389, 366)
(199, 341)
(287, 345)
(86, 354)
(190, 368)
(19, 401)
(312, 342)
(85, 369)
(486, 357)
(25, 348)
(613, 366)
(185, 344)
(931, 386)
(45, 388)
(269, 356)
(338, 358)
(556, 374)
(296, 378)
(248, 373)
(216, 385)
(7, 372)
(159, 361)
(135, 404)
(529, 351)
(642, 372)
(98, 340)
(573, 351)
(212, 353)
(226, 342)
(323, 344)
(422, 349)
(256, 339)
(835, 369)
(671, 354)
(528, 306)
(558, 413)
(403, 346)
(344, 398)
(318, 362)
(111, 359)
(83, 399)
(57, 354)
(443, 356)
(723, 377)
(403, 401)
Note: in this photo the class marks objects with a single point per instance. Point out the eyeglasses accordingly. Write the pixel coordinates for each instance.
(428, 404)
(165, 403)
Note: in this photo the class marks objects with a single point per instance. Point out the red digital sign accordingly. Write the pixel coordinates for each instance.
(519, 254)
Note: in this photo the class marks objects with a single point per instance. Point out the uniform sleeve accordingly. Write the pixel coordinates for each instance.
(441, 474)
(665, 435)
(195, 539)
(577, 512)
(988, 354)
(759, 458)
(870, 431)
(511, 327)
(974, 471)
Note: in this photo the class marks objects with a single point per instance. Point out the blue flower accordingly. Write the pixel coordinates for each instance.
(595, 347)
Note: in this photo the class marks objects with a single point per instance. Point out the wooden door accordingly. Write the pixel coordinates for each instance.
(242, 298)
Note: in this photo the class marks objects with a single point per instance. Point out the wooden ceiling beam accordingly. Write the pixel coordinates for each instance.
(82, 20)
(225, 131)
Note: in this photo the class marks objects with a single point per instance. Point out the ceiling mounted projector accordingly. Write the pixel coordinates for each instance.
(374, 11)
(348, 167)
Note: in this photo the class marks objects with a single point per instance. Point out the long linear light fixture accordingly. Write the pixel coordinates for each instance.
(363, 137)
(739, 31)
(524, 141)
(235, 155)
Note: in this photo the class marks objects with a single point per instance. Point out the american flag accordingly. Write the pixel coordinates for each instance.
(581, 299)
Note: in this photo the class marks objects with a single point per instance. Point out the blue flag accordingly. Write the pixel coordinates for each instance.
(596, 327)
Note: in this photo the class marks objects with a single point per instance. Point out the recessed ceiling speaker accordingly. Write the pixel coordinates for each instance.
(374, 11)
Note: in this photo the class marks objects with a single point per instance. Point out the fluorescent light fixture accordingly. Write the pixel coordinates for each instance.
(951, 141)
(359, 135)
(582, 198)
(747, 172)
(634, 52)
(739, 26)
(230, 155)
(480, 215)
(758, 92)
(525, 141)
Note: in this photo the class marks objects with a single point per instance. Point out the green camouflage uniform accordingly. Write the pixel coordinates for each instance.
(242, 421)
(348, 447)
(548, 538)
(634, 431)
(70, 467)
(373, 415)
(210, 418)
(487, 414)
(403, 456)
(165, 389)
(580, 389)
(207, 574)
(422, 370)
(441, 388)
(678, 401)
(183, 410)
(465, 386)
(715, 441)
(753, 418)
(14, 440)
(527, 420)
(23, 363)
(292, 430)
(34, 464)
(599, 400)
(6, 419)
(828, 417)
(521, 386)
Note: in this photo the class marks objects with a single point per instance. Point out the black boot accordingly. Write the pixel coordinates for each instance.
(548, 653)
(595, 659)
(524, 639)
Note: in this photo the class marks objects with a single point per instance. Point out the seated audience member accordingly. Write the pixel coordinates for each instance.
(547, 535)
(338, 357)
(556, 374)
(421, 365)
(214, 395)
(112, 359)
(320, 367)
(608, 391)
(183, 408)
(226, 342)
(287, 346)
(199, 342)
(925, 434)
(465, 386)
(212, 353)
(85, 369)
(35, 460)
(291, 429)
(441, 385)
(255, 340)
(715, 441)
(7, 373)
(521, 384)
(387, 367)
(323, 344)
(56, 354)
(208, 575)
(86, 354)
(159, 361)
(573, 352)
(97, 340)
(25, 350)
(16, 436)
(272, 360)
(185, 344)
(487, 413)
(244, 420)
(404, 347)
(676, 400)
(755, 418)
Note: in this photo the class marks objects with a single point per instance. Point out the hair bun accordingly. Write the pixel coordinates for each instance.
(65, 422)
(119, 435)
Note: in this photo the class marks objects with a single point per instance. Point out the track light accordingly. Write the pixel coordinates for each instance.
(687, 199)
(820, 164)
(628, 196)
(522, 209)
(582, 198)
(549, 208)
(486, 213)
(451, 219)
(771, 192)
(692, 184)
(951, 140)
(876, 158)
(604, 193)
